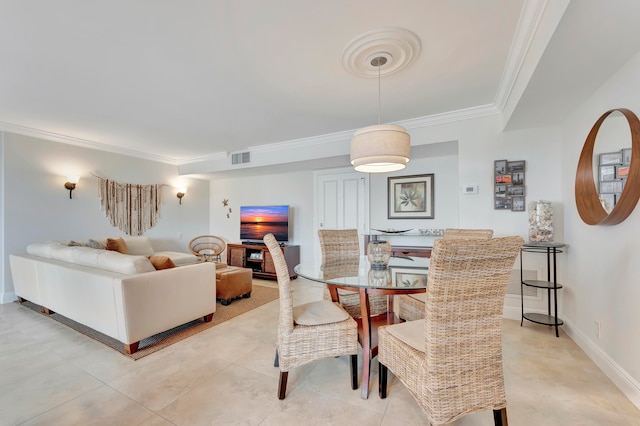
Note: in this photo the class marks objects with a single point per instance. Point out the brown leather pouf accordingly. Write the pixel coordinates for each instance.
(232, 283)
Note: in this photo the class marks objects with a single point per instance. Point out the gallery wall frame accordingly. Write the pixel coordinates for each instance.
(509, 185)
(411, 197)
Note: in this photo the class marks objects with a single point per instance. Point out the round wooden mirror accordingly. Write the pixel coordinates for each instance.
(587, 199)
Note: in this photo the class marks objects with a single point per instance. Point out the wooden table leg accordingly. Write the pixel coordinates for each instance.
(366, 343)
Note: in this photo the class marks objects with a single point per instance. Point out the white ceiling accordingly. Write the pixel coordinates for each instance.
(178, 81)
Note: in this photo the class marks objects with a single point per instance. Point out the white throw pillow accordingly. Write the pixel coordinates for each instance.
(138, 246)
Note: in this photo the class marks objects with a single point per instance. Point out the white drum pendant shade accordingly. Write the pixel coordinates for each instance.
(380, 148)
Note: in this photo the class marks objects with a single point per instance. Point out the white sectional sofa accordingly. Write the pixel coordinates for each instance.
(120, 295)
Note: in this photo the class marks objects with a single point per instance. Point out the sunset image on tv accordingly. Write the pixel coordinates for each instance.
(257, 221)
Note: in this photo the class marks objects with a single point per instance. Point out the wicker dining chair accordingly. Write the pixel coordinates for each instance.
(311, 331)
(342, 246)
(451, 361)
(411, 306)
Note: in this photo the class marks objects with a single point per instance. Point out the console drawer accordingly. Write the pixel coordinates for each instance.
(411, 251)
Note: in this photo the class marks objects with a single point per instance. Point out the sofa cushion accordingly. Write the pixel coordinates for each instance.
(117, 244)
(123, 263)
(138, 245)
(178, 258)
(41, 249)
(86, 256)
(102, 259)
(161, 262)
(62, 252)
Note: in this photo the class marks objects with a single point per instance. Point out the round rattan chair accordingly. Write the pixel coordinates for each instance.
(208, 247)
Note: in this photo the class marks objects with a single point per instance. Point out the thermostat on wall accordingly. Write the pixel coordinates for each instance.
(470, 189)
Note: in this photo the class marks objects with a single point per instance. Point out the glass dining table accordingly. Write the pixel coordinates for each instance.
(403, 275)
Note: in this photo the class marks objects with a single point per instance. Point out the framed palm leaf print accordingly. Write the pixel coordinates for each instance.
(411, 197)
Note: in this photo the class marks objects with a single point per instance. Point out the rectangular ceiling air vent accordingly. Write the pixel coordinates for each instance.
(241, 157)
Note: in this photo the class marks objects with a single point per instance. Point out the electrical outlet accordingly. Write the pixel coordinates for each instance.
(179, 235)
(597, 328)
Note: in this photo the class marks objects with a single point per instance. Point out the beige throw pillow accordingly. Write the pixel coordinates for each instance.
(161, 262)
(117, 244)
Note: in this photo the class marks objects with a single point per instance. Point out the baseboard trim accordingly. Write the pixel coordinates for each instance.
(627, 384)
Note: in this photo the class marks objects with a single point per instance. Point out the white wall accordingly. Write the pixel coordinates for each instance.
(294, 189)
(446, 194)
(38, 207)
(603, 273)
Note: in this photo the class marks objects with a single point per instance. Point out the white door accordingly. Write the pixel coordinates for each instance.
(342, 201)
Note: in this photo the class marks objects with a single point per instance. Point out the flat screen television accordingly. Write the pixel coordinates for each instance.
(258, 221)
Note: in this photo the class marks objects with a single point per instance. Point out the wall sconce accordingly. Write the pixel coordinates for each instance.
(180, 194)
(70, 184)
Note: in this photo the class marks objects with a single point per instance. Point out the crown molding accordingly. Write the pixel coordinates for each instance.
(304, 142)
(528, 24)
(85, 143)
(448, 117)
(347, 135)
(202, 158)
(414, 123)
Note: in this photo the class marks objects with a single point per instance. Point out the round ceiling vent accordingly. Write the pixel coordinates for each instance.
(398, 46)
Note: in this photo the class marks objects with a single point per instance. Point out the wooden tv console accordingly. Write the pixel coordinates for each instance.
(257, 258)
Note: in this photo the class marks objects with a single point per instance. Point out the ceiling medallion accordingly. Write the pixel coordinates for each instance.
(400, 48)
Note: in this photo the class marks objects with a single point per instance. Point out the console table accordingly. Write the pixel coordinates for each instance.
(406, 248)
(551, 249)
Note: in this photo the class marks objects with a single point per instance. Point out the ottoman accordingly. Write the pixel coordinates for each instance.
(233, 282)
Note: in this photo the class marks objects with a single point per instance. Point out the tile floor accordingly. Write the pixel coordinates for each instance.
(225, 376)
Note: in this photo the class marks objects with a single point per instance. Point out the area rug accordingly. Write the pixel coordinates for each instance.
(259, 296)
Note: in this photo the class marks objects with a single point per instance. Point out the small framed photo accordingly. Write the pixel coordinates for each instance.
(515, 190)
(622, 172)
(611, 158)
(517, 204)
(500, 167)
(409, 277)
(626, 156)
(607, 173)
(500, 191)
(611, 187)
(517, 178)
(515, 166)
(502, 204)
(503, 179)
(410, 197)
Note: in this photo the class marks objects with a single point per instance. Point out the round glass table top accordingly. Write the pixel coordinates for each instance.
(402, 272)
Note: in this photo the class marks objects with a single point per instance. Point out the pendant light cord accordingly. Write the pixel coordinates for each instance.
(379, 65)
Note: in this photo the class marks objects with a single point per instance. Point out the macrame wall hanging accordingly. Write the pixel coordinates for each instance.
(130, 207)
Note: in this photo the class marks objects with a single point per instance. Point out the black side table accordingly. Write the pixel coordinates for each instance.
(551, 249)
